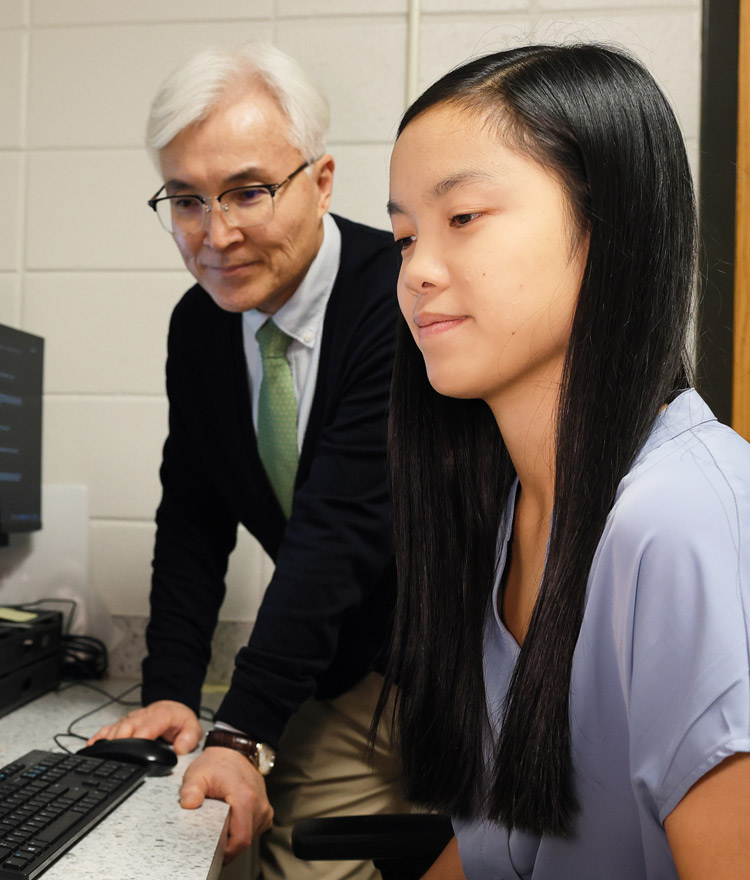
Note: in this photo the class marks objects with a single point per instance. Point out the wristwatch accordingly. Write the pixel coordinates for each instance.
(261, 756)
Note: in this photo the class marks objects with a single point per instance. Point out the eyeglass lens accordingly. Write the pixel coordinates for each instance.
(241, 207)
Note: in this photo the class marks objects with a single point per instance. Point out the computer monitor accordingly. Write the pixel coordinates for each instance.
(21, 378)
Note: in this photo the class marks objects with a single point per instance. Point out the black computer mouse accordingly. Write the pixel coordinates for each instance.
(157, 756)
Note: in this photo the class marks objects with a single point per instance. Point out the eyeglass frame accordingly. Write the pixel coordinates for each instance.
(270, 188)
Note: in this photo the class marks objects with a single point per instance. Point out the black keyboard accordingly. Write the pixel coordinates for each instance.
(48, 801)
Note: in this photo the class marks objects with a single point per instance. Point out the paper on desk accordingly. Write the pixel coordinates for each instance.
(16, 615)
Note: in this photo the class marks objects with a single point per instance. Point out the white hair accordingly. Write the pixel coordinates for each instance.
(198, 86)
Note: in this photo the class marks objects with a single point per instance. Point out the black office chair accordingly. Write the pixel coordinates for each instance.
(402, 845)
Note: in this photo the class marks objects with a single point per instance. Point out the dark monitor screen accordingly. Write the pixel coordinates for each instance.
(21, 373)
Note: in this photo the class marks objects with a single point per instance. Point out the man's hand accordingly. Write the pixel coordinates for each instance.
(173, 721)
(227, 775)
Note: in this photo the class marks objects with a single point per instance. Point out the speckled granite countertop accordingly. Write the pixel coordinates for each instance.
(148, 835)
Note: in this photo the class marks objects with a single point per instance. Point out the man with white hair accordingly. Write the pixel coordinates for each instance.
(278, 371)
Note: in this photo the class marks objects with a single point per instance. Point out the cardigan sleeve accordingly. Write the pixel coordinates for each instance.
(196, 531)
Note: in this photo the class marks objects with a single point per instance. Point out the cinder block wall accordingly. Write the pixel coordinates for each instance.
(83, 261)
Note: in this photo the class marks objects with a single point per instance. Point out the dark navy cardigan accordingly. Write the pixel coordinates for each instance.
(323, 620)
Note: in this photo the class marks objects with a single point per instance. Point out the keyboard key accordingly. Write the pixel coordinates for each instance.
(58, 827)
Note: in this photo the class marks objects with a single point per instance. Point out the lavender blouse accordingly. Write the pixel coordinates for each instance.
(660, 688)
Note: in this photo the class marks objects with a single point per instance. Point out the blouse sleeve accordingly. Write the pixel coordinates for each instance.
(689, 695)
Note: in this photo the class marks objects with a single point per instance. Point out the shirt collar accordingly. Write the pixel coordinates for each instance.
(684, 413)
(301, 317)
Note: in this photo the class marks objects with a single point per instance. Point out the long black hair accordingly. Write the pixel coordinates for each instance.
(596, 119)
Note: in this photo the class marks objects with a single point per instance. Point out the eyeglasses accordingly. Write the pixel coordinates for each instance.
(242, 206)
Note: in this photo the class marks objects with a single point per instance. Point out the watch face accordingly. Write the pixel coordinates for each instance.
(266, 759)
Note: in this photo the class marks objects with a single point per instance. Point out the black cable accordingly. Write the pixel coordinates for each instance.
(83, 657)
(204, 712)
(119, 698)
(100, 690)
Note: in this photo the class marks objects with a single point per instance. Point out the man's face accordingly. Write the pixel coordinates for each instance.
(245, 141)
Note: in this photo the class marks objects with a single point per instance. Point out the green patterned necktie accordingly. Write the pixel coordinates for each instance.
(277, 414)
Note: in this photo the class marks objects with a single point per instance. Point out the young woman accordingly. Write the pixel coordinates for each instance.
(572, 522)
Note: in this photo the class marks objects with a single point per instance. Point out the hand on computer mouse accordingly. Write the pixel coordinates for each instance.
(175, 722)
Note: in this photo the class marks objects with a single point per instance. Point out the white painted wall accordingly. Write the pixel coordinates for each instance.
(97, 277)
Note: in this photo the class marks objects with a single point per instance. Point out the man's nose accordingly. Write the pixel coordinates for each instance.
(219, 233)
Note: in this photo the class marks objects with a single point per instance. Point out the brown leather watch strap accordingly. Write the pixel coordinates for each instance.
(229, 740)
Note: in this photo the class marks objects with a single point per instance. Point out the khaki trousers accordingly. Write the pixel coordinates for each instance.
(324, 768)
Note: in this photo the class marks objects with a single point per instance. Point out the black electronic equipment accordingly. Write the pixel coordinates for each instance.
(153, 754)
(21, 384)
(30, 656)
